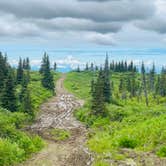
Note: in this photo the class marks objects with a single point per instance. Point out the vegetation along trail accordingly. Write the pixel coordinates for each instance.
(65, 136)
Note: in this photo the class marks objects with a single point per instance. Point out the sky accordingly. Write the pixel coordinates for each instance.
(74, 32)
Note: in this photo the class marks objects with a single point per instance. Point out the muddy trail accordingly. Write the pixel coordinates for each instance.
(57, 113)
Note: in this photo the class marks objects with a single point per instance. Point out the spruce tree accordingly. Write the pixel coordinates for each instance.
(8, 96)
(152, 78)
(27, 64)
(24, 64)
(163, 82)
(86, 67)
(55, 66)
(47, 77)
(107, 87)
(78, 69)
(92, 67)
(20, 72)
(144, 83)
(98, 104)
(4, 69)
(96, 68)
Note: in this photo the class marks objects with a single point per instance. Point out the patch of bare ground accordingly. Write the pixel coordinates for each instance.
(134, 158)
(57, 113)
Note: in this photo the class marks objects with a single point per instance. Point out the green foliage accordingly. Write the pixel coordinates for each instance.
(8, 96)
(15, 145)
(47, 76)
(10, 153)
(129, 123)
(59, 134)
(162, 151)
(128, 142)
(20, 71)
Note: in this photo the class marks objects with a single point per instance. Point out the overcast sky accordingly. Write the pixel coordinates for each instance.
(58, 24)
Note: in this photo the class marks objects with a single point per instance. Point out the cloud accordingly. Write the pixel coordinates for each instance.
(103, 11)
(74, 20)
(101, 39)
(156, 23)
(74, 24)
(11, 26)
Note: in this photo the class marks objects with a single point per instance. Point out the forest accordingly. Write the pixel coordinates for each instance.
(22, 91)
(124, 110)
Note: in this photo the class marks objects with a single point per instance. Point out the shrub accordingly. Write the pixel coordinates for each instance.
(10, 153)
(162, 151)
(59, 134)
(126, 142)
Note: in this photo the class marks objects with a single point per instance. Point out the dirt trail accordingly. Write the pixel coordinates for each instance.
(58, 113)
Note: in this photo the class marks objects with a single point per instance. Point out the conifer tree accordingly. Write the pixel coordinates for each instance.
(107, 87)
(86, 67)
(4, 69)
(20, 72)
(47, 77)
(25, 98)
(27, 64)
(78, 69)
(8, 96)
(152, 78)
(24, 64)
(55, 66)
(163, 82)
(98, 105)
(92, 67)
(96, 68)
(144, 83)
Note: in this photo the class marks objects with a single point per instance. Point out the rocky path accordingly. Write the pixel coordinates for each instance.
(58, 113)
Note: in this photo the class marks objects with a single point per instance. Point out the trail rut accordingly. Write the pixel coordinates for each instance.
(58, 113)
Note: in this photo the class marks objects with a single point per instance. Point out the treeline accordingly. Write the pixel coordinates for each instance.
(131, 84)
(15, 94)
(121, 66)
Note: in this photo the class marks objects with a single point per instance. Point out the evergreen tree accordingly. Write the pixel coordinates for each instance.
(133, 84)
(47, 77)
(107, 87)
(55, 66)
(78, 69)
(92, 67)
(4, 69)
(163, 82)
(152, 79)
(8, 96)
(27, 64)
(86, 67)
(144, 83)
(96, 68)
(25, 99)
(44, 62)
(98, 105)
(24, 64)
(20, 72)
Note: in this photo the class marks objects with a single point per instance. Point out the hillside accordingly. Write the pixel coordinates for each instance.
(131, 133)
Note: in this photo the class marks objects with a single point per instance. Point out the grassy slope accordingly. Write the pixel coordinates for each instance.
(16, 145)
(130, 125)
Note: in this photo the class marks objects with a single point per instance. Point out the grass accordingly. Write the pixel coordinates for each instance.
(129, 124)
(17, 145)
(59, 134)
